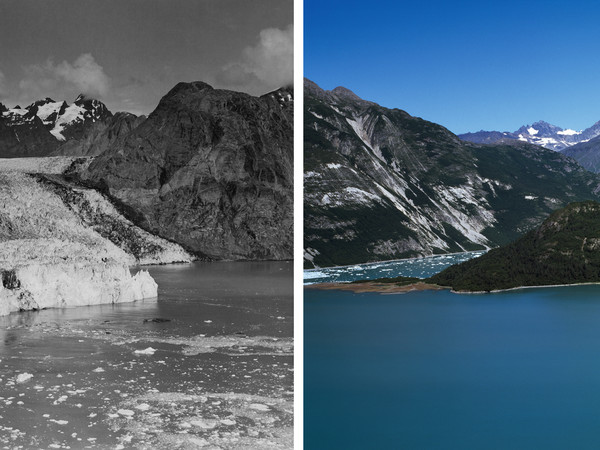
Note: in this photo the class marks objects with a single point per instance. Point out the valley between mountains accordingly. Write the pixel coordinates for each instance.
(380, 184)
(86, 193)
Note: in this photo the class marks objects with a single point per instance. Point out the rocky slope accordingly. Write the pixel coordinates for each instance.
(381, 184)
(564, 249)
(540, 133)
(586, 153)
(210, 169)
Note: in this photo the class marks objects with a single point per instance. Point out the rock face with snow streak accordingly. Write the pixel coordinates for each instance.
(381, 184)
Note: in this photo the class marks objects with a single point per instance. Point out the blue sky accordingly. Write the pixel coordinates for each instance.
(463, 64)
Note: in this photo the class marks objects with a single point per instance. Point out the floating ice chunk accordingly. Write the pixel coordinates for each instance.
(259, 407)
(204, 424)
(59, 422)
(143, 407)
(23, 377)
(146, 351)
(126, 412)
(228, 422)
(98, 370)
(208, 321)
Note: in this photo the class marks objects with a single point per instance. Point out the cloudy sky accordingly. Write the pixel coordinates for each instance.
(129, 53)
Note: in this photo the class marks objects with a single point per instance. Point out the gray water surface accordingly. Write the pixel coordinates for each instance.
(218, 371)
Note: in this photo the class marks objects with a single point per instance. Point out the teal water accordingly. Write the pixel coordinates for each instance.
(436, 370)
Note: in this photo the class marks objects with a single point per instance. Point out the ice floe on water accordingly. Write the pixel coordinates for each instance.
(214, 420)
(104, 377)
(414, 267)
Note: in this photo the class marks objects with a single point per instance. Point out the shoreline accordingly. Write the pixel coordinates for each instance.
(541, 286)
(382, 288)
(391, 288)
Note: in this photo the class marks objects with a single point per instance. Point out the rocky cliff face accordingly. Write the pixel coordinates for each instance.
(99, 136)
(381, 184)
(210, 169)
(586, 153)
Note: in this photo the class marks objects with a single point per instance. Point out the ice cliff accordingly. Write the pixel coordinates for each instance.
(62, 246)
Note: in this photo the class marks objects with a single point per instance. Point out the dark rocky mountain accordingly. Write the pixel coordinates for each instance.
(210, 169)
(380, 184)
(564, 249)
(78, 117)
(99, 135)
(540, 133)
(23, 134)
(586, 153)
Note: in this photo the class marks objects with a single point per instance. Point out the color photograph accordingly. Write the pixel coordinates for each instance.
(451, 225)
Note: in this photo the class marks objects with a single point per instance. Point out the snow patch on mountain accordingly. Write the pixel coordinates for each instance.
(568, 132)
(46, 110)
(73, 114)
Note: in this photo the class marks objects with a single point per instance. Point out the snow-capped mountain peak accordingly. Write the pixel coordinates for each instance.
(62, 120)
(539, 133)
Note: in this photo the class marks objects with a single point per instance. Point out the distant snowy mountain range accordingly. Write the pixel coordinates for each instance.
(48, 127)
(540, 133)
(59, 118)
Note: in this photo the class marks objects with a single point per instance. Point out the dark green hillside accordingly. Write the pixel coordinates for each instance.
(565, 249)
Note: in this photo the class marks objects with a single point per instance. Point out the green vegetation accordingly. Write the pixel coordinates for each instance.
(565, 249)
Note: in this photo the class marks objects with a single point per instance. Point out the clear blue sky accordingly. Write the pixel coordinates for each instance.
(463, 64)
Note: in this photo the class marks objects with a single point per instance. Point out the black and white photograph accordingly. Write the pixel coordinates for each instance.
(146, 224)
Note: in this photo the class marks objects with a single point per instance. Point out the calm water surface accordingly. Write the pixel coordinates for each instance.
(218, 373)
(436, 370)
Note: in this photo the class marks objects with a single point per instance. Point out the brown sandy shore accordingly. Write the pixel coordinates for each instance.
(391, 288)
(372, 286)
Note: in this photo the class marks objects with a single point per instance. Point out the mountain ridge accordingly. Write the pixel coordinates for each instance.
(210, 169)
(381, 184)
(539, 133)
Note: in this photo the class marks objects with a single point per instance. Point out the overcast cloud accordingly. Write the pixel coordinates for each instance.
(84, 75)
(263, 67)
